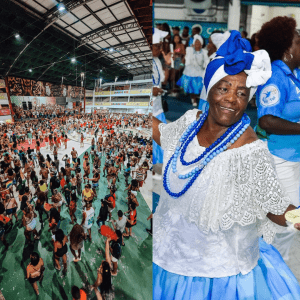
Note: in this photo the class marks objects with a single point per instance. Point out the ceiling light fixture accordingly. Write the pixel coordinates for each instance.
(73, 59)
(17, 35)
(129, 66)
(30, 70)
(111, 50)
(61, 7)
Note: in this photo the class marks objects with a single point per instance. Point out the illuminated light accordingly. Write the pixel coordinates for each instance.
(73, 60)
(17, 35)
(61, 7)
(30, 70)
(129, 66)
(111, 50)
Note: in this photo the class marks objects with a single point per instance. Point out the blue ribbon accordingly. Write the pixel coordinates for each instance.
(233, 43)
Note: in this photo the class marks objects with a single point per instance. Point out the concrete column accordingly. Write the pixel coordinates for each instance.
(234, 12)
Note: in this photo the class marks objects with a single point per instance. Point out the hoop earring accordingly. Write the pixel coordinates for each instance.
(285, 59)
(291, 56)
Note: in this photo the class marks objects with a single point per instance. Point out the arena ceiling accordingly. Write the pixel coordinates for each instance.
(107, 38)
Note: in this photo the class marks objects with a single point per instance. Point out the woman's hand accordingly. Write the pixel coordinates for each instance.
(297, 226)
(167, 57)
(157, 91)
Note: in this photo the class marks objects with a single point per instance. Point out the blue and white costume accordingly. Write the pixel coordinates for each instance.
(158, 76)
(280, 97)
(195, 64)
(207, 241)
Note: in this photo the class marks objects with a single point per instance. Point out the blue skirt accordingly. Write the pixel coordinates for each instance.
(270, 279)
(191, 85)
(157, 152)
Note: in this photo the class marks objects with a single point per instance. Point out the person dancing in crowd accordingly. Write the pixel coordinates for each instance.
(60, 250)
(77, 237)
(35, 271)
(196, 60)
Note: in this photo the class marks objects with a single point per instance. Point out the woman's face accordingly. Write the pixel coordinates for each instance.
(211, 48)
(295, 50)
(198, 45)
(228, 99)
(176, 39)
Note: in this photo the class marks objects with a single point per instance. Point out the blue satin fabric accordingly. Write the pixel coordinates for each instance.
(191, 85)
(158, 153)
(270, 279)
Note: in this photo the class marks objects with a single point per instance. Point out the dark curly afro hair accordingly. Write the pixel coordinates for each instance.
(276, 36)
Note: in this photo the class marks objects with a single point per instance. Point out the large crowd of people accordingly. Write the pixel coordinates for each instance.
(37, 187)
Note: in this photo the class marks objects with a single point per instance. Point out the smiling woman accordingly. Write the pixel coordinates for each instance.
(220, 193)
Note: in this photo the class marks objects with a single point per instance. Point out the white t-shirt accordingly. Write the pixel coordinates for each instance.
(89, 220)
(120, 224)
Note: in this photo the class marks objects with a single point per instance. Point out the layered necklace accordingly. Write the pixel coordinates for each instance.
(220, 145)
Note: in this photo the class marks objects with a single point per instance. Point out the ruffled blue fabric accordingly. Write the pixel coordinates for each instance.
(157, 152)
(270, 279)
(233, 57)
(191, 85)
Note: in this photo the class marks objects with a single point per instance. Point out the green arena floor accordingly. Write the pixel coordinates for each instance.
(134, 279)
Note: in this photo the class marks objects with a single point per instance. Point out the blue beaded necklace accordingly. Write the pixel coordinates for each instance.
(220, 145)
(153, 80)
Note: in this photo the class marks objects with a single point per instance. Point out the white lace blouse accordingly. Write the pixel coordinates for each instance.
(213, 229)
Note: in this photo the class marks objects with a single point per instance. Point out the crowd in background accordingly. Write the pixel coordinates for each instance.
(36, 188)
(191, 54)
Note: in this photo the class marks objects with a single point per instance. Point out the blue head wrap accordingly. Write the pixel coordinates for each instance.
(233, 57)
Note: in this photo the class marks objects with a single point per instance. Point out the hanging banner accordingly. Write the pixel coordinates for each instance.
(4, 112)
(2, 83)
(88, 93)
(123, 93)
(145, 91)
(28, 87)
(3, 96)
(121, 104)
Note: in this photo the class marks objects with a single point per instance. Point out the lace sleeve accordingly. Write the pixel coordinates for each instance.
(266, 194)
(170, 133)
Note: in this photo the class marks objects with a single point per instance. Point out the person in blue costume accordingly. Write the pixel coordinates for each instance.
(220, 194)
(278, 103)
(158, 77)
(196, 60)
